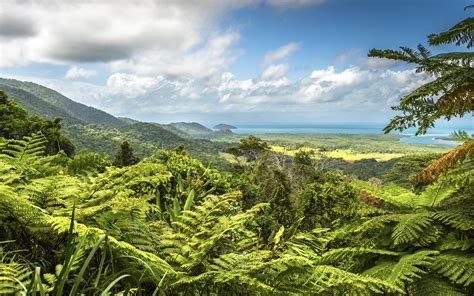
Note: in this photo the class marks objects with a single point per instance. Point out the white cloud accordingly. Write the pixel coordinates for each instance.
(78, 72)
(168, 57)
(147, 37)
(210, 60)
(280, 53)
(281, 4)
(353, 89)
(274, 72)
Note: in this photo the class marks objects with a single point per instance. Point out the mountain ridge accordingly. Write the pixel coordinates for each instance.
(96, 130)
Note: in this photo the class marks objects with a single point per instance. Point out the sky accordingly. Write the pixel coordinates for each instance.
(247, 61)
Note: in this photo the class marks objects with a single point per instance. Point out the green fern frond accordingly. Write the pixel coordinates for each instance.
(416, 229)
(462, 219)
(461, 33)
(451, 241)
(327, 278)
(335, 256)
(457, 266)
(12, 277)
(411, 267)
(433, 286)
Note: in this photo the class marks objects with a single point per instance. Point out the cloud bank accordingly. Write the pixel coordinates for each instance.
(172, 57)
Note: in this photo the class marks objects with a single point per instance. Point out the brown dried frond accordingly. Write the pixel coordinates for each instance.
(447, 161)
(456, 102)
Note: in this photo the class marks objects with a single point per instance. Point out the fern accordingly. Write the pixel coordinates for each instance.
(29, 147)
(13, 277)
(344, 254)
(457, 266)
(433, 286)
(416, 229)
(462, 219)
(409, 268)
(329, 278)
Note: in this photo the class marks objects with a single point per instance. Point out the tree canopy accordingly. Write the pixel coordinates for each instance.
(451, 91)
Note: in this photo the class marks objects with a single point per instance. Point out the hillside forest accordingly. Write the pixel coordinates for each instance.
(92, 204)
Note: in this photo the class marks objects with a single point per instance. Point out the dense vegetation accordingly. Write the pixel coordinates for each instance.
(94, 130)
(273, 224)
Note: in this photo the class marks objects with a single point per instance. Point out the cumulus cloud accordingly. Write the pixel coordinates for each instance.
(323, 90)
(14, 26)
(139, 34)
(168, 57)
(274, 72)
(212, 59)
(78, 72)
(280, 53)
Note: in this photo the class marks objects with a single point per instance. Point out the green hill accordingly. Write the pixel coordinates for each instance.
(96, 130)
(68, 108)
(37, 106)
(196, 130)
(223, 126)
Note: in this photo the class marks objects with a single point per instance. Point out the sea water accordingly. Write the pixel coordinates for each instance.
(438, 135)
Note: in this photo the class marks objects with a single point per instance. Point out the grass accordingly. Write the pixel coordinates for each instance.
(346, 154)
(348, 147)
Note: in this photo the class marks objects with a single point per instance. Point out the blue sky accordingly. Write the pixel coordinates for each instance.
(211, 61)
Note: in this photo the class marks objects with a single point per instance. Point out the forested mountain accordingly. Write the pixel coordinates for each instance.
(193, 128)
(37, 106)
(70, 110)
(96, 130)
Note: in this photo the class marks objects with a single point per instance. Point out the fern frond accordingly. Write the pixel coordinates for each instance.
(12, 277)
(433, 286)
(409, 267)
(416, 229)
(344, 254)
(463, 152)
(462, 219)
(458, 267)
(327, 278)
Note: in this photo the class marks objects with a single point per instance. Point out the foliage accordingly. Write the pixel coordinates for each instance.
(194, 241)
(460, 135)
(169, 224)
(249, 147)
(464, 152)
(450, 92)
(125, 156)
(275, 224)
(15, 124)
(86, 162)
(97, 131)
(403, 172)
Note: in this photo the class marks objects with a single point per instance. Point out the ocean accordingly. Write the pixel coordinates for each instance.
(431, 137)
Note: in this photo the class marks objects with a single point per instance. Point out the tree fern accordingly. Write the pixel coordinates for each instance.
(416, 229)
(13, 277)
(329, 278)
(434, 286)
(406, 270)
(456, 266)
